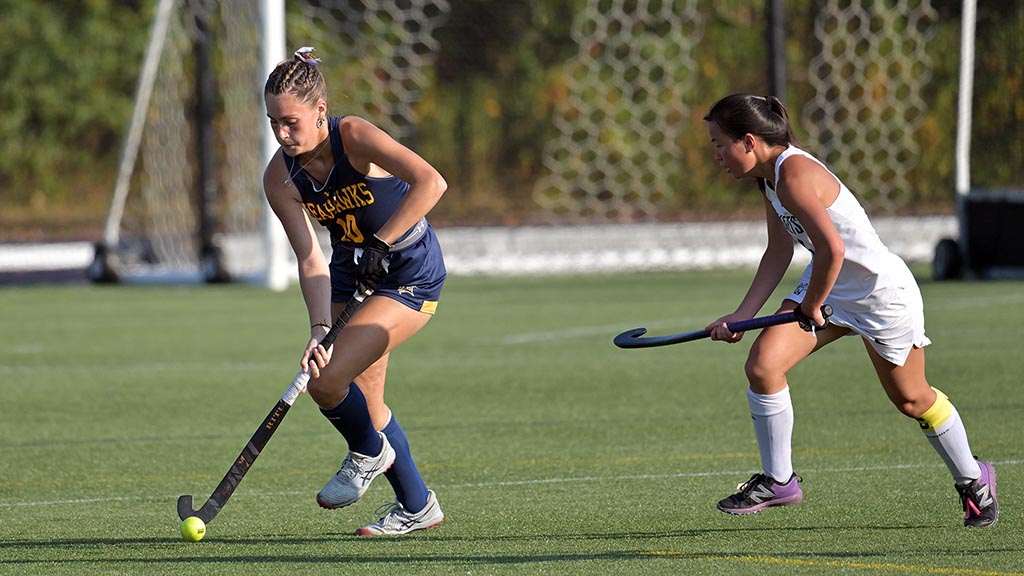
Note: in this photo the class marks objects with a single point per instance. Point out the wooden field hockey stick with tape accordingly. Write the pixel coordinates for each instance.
(635, 338)
(262, 435)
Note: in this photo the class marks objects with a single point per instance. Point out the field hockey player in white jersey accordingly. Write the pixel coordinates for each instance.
(870, 290)
(372, 194)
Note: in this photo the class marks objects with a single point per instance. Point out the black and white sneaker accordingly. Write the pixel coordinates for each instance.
(760, 492)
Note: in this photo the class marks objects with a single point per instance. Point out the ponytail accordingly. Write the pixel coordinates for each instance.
(763, 116)
(776, 107)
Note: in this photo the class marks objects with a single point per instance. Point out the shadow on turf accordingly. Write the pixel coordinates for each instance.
(125, 544)
(329, 537)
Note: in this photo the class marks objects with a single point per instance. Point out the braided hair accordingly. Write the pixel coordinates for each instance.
(300, 77)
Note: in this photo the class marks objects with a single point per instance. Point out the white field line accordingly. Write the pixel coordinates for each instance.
(134, 367)
(676, 324)
(504, 483)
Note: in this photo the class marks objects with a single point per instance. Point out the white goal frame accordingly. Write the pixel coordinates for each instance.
(276, 272)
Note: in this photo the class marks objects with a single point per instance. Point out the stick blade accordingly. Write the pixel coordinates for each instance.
(206, 513)
(635, 338)
(629, 338)
(185, 507)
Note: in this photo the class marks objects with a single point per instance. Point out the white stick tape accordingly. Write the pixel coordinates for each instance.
(298, 387)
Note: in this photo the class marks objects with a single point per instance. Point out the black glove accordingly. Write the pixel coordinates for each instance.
(372, 266)
(807, 323)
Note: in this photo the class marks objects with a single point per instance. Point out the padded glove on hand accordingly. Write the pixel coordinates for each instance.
(807, 323)
(372, 266)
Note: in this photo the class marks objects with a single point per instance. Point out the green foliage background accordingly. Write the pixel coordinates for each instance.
(70, 69)
(69, 72)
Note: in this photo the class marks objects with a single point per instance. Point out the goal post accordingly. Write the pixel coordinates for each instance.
(188, 204)
(272, 23)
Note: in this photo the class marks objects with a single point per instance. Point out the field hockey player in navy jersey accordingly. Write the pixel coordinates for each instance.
(372, 194)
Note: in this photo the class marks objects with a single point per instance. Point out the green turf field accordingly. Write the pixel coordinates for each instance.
(552, 451)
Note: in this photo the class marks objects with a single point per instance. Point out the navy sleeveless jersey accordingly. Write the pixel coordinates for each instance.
(353, 207)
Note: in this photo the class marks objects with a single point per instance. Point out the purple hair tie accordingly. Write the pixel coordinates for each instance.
(305, 54)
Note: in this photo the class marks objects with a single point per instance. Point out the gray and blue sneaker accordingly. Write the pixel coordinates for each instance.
(354, 478)
(395, 519)
(760, 492)
(978, 497)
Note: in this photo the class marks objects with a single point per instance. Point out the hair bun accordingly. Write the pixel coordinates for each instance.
(305, 54)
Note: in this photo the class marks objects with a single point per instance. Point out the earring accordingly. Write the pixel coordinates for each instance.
(320, 122)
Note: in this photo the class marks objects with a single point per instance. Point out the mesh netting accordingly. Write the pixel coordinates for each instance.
(868, 80)
(376, 55)
(615, 157)
(160, 223)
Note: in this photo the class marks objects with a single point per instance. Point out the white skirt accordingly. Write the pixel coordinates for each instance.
(890, 318)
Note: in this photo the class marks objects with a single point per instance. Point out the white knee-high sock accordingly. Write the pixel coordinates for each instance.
(773, 424)
(945, 431)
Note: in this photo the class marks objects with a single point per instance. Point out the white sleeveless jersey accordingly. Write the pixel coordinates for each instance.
(868, 264)
(875, 293)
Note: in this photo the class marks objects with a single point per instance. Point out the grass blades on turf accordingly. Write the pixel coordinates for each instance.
(551, 451)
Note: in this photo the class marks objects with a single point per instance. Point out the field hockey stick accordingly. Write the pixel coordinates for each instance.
(262, 435)
(634, 338)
